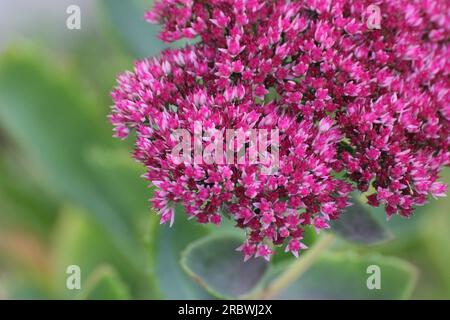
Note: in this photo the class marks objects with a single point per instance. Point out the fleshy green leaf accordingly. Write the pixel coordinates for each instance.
(216, 265)
(346, 275)
(358, 225)
(104, 284)
(173, 282)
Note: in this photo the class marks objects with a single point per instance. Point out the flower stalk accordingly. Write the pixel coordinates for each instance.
(298, 267)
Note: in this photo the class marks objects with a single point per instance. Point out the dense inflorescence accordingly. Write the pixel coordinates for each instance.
(357, 109)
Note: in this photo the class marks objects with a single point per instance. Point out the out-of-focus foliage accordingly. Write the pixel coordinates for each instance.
(72, 195)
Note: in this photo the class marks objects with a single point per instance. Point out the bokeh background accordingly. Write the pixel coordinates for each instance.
(70, 194)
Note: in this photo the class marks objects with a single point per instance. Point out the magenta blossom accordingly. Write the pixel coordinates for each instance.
(357, 108)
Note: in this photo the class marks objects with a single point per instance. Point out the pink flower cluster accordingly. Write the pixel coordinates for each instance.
(357, 109)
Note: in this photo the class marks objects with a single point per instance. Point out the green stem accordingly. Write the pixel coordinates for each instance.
(298, 267)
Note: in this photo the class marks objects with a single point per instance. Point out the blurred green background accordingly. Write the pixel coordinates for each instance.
(70, 194)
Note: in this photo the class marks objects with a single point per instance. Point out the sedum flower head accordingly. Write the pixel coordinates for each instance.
(357, 108)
